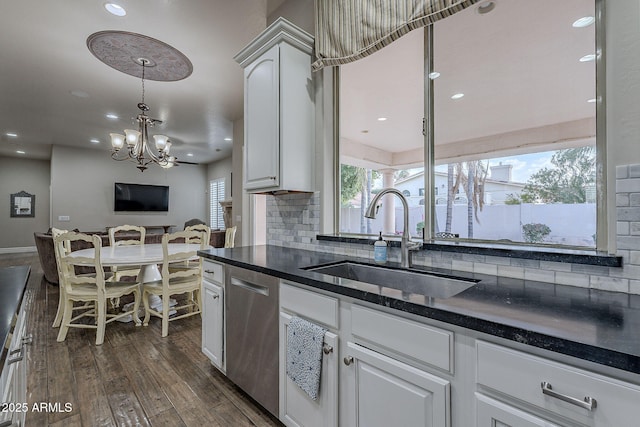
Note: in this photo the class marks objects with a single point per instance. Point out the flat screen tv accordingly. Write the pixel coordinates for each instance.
(141, 198)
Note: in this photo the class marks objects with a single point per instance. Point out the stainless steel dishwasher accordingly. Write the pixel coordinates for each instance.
(252, 334)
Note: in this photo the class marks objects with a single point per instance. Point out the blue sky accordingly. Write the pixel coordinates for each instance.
(524, 165)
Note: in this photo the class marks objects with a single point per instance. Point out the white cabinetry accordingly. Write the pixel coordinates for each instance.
(387, 392)
(556, 390)
(13, 381)
(296, 407)
(278, 110)
(213, 313)
(382, 389)
(492, 413)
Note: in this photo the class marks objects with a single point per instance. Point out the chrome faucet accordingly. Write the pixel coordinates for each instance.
(405, 244)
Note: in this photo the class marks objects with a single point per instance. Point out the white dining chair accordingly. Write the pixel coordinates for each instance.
(126, 235)
(90, 289)
(176, 281)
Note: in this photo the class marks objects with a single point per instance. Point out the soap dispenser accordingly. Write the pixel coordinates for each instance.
(380, 250)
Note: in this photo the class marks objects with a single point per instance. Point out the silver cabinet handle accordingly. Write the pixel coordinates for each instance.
(209, 271)
(327, 349)
(19, 357)
(348, 360)
(215, 296)
(588, 403)
(28, 339)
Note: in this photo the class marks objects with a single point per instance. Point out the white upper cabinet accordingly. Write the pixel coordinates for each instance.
(278, 110)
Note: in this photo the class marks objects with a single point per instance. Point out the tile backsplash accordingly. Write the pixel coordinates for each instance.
(293, 220)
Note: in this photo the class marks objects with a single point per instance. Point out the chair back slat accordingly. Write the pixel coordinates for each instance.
(139, 234)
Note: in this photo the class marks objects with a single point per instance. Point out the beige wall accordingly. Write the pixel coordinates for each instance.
(82, 188)
(31, 176)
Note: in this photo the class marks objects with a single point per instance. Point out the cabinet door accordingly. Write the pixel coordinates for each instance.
(261, 125)
(387, 392)
(213, 323)
(491, 413)
(296, 407)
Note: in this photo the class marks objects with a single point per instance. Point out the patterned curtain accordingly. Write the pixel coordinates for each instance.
(347, 30)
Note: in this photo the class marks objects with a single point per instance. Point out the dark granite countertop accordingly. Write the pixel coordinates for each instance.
(597, 326)
(13, 281)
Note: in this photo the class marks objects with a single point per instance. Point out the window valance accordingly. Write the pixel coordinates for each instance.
(347, 30)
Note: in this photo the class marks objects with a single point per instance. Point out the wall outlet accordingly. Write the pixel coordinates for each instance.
(64, 218)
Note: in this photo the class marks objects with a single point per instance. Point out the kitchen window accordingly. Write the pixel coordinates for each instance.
(216, 195)
(512, 144)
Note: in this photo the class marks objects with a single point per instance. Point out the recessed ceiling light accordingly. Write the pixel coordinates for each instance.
(115, 9)
(486, 7)
(457, 96)
(584, 22)
(364, 131)
(587, 58)
(94, 141)
(382, 119)
(218, 150)
(11, 134)
(20, 152)
(79, 93)
(189, 154)
(112, 116)
(434, 75)
(591, 100)
(228, 139)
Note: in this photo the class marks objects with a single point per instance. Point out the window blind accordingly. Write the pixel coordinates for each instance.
(216, 195)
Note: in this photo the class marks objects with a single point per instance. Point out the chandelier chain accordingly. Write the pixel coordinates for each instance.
(144, 61)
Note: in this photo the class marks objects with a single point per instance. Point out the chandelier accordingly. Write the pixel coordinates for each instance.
(134, 145)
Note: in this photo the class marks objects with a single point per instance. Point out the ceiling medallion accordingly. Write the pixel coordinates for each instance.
(124, 52)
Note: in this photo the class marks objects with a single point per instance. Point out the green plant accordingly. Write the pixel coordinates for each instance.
(534, 232)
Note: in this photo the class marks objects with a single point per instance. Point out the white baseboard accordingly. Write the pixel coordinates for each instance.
(18, 250)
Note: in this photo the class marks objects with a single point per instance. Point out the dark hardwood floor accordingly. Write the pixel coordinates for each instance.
(136, 378)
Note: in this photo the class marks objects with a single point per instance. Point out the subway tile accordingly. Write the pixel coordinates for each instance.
(530, 263)
(590, 269)
(623, 200)
(572, 279)
(628, 242)
(634, 171)
(634, 199)
(634, 257)
(634, 228)
(498, 260)
(622, 228)
(555, 266)
(629, 271)
(539, 275)
(634, 287)
(483, 268)
(622, 172)
(460, 265)
(609, 284)
(511, 271)
(630, 185)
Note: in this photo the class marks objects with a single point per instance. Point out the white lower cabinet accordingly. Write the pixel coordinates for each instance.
(296, 407)
(492, 413)
(213, 323)
(387, 392)
(13, 381)
(559, 390)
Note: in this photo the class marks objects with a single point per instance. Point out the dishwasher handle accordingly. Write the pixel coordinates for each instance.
(252, 287)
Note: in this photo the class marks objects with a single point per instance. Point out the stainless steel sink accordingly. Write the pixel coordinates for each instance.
(410, 281)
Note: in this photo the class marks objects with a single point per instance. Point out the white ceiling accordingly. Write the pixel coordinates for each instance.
(516, 75)
(44, 58)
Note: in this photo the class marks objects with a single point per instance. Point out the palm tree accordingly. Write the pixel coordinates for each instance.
(471, 176)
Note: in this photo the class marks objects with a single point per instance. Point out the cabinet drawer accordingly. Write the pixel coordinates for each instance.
(426, 344)
(313, 306)
(213, 272)
(520, 376)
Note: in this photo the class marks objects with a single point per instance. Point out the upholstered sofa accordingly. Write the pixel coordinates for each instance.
(44, 245)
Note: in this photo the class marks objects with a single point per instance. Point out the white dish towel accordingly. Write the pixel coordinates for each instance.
(304, 355)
